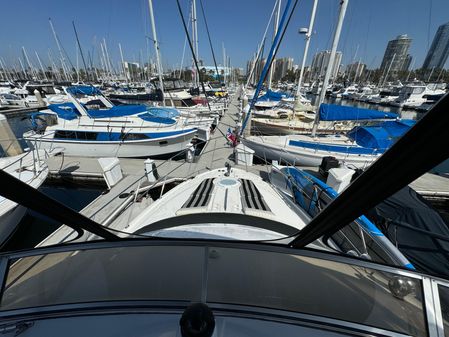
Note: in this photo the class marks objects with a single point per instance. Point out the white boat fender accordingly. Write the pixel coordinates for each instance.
(190, 153)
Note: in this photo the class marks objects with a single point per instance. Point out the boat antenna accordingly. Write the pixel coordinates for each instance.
(210, 42)
(396, 168)
(193, 52)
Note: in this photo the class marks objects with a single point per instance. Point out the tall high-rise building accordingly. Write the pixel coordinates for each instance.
(281, 67)
(439, 50)
(396, 57)
(320, 62)
(355, 70)
(258, 67)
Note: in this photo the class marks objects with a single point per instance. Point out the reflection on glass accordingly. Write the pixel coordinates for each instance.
(252, 278)
(444, 302)
(318, 287)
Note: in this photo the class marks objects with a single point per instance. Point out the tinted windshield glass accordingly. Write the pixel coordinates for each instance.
(266, 279)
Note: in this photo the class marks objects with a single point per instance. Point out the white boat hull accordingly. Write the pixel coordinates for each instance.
(299, 156)
(21, 167)
(124, 149)
(9, 221)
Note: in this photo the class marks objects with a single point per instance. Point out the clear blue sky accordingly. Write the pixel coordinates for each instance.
(368, 26)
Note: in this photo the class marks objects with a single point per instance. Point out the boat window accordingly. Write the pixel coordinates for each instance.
(444, 306)
(188, 102)
(62, 134)
(418, 90)
(82, 135)
(314, 285)
(76, 135)
(134, 136)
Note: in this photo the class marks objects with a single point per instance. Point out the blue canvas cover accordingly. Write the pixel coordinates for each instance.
(380, 136)
(304, 184)
(273, 96)
(83, 90)
(332, 112)
(66, 111)
(156, 119)
(117, 111)
(163, 112)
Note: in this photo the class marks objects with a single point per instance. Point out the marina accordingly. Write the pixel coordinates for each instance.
(151, 186)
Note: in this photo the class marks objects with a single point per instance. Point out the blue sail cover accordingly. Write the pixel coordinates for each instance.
(117, 111)
(83, 90)
(332, 112)
(380, 136)
(273, 96)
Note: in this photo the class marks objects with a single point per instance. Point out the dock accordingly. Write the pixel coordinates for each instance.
(19, 111)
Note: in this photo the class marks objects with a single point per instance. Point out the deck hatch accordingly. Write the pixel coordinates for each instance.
(201, 196)
(251, 196)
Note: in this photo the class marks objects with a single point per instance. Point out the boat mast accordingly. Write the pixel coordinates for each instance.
(77, 64)
(193, 18)
(411, 68)
(108, 60)
(388, 71)
(23, 69)
(81, 53)
(156, 48)
(195, 40)
(55, 74)
(104, 63)
(224, 63)
(308, 35)
(61, 54)
(252, 75)
(330, 65)
(275, 30)
(123, 63)
(33, 74)
(41, 66)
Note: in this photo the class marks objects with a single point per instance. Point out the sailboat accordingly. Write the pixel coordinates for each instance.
(360, 146)
(333, 119)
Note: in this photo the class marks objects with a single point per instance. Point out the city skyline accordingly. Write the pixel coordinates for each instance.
(367, 29)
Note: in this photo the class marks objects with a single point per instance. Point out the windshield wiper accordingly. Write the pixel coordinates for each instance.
(422, 148)
(25, 195)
